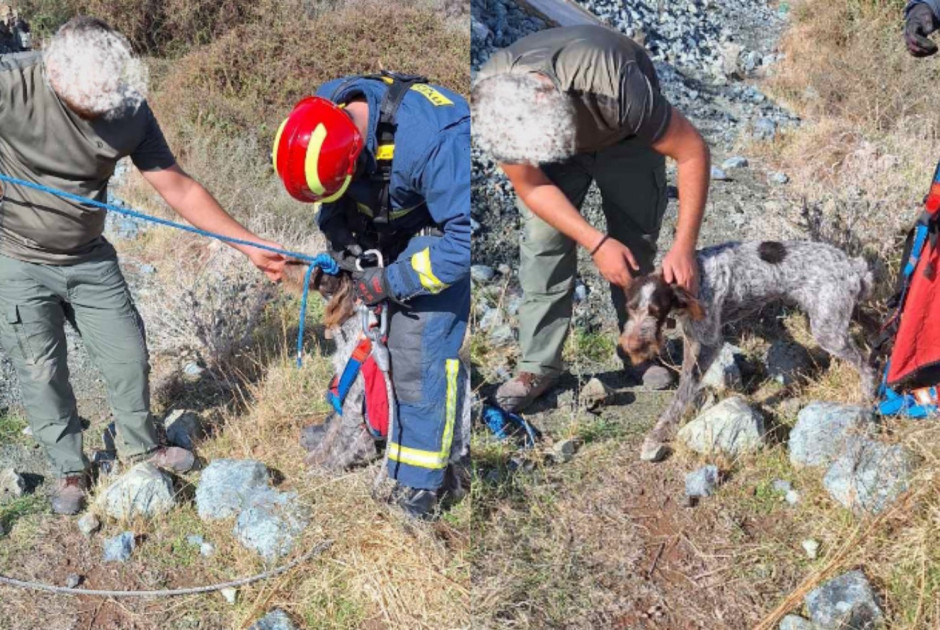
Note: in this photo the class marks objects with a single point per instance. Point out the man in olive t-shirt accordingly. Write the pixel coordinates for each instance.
(560, 109)
(67, 115)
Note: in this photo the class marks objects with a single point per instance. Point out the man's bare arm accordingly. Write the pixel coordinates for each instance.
(194, 203)
(549, 203)
(685, 145)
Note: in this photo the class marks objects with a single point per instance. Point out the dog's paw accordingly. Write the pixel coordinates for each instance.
(653, 450)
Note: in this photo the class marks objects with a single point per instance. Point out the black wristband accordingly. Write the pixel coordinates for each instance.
(598, 246)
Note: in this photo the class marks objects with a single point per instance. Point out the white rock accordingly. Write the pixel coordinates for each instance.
(12, 485)
(730, 427)
(811, 547)
(144, 490)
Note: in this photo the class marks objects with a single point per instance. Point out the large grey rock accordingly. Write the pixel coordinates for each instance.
(227, 485)
(12, 485)
(846, 602)
(183, 428)
(594, 393)
(119, 548)
(702, 482)
(785, 361)
(795, 622)
(823, 429)
(144, 490)
(277, 619)
(270, 524)
(734, 162)
(482, 273)
(730, 427)
(724, 371)
(869, 475)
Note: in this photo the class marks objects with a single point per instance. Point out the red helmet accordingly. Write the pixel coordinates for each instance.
(316, 149)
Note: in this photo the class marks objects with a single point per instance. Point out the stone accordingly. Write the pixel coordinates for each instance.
(869, 475)
(730, 52)
(718, 174)
(653, 451)
(502, 335)
(779, 178)
(88, 524)
(277, 619)
(845, 602)
(702, 482)
(144, 490)
(482, 273)
(12, 485)
(192, 371)
(227, 485)
(73, 580)
(785, 361)
(795, 622)
(734, 162)
(764, 129)
(270, 524)
(822, 430)
(782, 486)
(563, 451)
(230, 595)
(119, 548)
(594, 393)
(792, 497)
(580, 293)
(730, 427)
(752, 60)
(811, 547)
(183, 428)
(724, 371)
(206, 549)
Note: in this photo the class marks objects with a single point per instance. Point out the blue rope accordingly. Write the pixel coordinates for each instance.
(322, 261)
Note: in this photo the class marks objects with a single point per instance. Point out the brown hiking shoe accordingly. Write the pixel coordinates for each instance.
(69, 494)
(173, 458)
(515, 395)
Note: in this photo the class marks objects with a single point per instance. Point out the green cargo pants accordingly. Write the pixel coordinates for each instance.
(632, 182)
(35, 302)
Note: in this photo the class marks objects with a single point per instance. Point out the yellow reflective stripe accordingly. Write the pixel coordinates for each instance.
(277, 143)
(416, 457)
(430, 459)
(364, 209)
(340, 192)
(421, 263)
(436, 98)
(385, 152)
(313, 156)
(452, 367)
(394, 214)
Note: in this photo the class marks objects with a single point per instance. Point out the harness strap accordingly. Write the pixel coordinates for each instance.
(339, 387)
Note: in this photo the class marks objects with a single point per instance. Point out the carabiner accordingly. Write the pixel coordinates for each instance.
(370, 252)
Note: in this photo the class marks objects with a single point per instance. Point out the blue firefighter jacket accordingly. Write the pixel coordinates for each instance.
(430, 181)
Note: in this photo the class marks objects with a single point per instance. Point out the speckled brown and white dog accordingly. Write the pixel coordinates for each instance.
(737, 279)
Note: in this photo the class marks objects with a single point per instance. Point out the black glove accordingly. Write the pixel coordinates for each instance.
(372, 285)
(920, 23)
(343, 246)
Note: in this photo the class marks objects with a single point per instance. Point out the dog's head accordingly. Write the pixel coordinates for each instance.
(338, 290)
(651, 304)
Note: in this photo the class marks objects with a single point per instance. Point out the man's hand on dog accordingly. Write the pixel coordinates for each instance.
(271, 263)
(615, 260)
(681, 268)
(371, 285)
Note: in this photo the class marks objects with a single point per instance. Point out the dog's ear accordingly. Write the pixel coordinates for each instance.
(685, 301)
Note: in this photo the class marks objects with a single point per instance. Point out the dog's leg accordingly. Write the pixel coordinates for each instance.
(830, 328)
(654, 446)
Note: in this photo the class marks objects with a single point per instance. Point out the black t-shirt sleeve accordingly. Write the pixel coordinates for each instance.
(153, 153)
(644, 111)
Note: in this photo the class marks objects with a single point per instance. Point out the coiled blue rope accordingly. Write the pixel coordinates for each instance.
(503, 424)
(324, 262)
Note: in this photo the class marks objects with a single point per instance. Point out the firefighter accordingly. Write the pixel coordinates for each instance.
(387, 158)
(559, 110)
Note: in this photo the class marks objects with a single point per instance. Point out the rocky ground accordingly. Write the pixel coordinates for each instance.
(674, 556)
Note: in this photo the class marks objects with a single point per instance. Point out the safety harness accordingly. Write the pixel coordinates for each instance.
(379, 209)
(371, 359)
(912, 372)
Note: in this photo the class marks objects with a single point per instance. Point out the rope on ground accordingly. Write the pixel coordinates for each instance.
(323, 261)
(62, 590)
